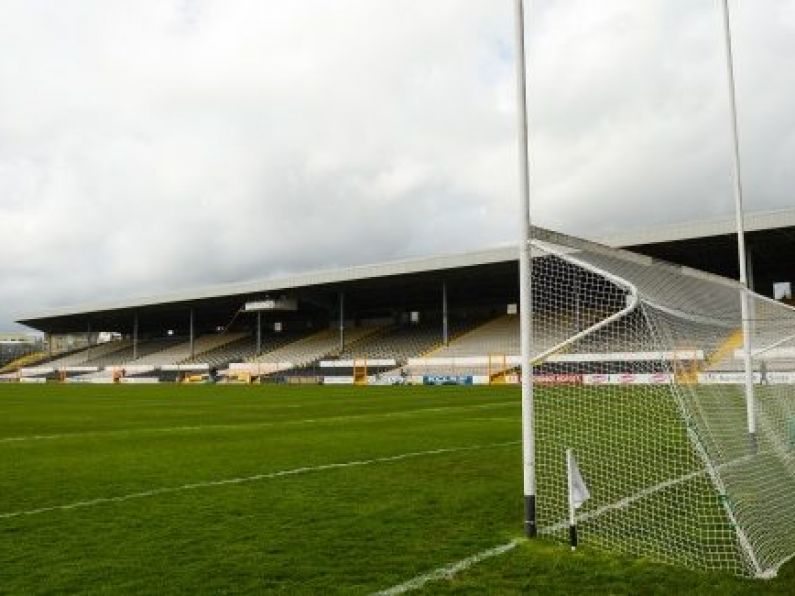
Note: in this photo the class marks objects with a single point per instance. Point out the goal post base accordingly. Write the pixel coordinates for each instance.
(530, 527)
(753, 444)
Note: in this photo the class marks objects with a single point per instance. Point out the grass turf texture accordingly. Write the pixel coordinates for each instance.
(348, 529)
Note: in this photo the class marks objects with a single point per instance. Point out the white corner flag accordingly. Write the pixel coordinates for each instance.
(578, 494)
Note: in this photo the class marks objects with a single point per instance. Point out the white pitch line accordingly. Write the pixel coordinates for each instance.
(212, 427)
(447, 572)
(255, 478)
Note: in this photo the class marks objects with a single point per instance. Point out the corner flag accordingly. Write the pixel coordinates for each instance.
(578, 494)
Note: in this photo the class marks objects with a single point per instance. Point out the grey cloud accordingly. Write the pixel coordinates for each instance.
(150, 146)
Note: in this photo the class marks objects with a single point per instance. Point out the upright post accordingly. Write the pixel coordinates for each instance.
(88, 342)
(750, 403)
(259, 331)
(135, 337)
(577, 309)
(525, 283)
(445, 322)
(342, 321)
(192, 337)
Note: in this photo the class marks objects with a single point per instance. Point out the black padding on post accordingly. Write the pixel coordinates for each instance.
(530, 527)
(573, 536)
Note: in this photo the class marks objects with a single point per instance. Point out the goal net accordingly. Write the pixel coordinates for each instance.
(639, 369)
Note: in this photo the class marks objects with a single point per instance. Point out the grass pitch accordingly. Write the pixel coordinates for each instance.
(173, 489)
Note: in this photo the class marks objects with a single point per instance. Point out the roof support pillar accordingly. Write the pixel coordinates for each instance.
(749, 266)
(192, 335)
(259, 331)
(135, 336)
(445, 314)
(342, 321)
(88, 342)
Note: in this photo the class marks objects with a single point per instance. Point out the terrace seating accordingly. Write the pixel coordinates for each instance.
(30, 359)
(181, 351)
(398, 343)
(244, 348)
(314, 347)
(87, 355)
(498, 336)
(488, 349)
(125, 355)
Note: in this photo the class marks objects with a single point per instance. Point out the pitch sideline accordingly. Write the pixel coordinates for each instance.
(221, 427)
(248, 479)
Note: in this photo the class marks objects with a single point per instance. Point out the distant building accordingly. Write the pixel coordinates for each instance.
(16, 345)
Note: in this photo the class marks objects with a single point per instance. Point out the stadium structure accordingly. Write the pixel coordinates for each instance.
(640, 367)
(450, 316)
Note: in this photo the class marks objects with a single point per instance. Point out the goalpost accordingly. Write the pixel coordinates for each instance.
(689, 462)
(664, 452)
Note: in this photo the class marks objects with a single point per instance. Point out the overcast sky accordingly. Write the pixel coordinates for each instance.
(156, 145)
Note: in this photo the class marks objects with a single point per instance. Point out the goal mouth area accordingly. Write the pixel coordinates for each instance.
(642, 372)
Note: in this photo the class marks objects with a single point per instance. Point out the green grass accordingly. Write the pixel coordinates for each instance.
(353, 529)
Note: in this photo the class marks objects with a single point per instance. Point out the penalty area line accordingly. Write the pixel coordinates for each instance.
(249, 479)
(449, 571)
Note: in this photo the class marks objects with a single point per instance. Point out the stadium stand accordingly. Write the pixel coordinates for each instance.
(30, 359)
(314, 347)
(403, 342)
(483, 349)
(85, 355)
(244, 348)
(498, 336)
(125, 354)
(181, 351)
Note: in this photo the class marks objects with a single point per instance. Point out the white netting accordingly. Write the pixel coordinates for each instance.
(640, 369)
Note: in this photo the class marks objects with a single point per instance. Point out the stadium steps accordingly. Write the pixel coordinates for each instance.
(497, 336)
(396, 342)
(320, 345)
(721, 358)
(181, 351)
(125, 354)
(245, 348)
(31, 359)
(218, 356)
(356, 343)
(96, 352)
(458, 331)
(494, 339)
(402, 343)
(725, 350)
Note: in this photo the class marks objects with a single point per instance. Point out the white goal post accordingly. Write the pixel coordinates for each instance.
(662, 442)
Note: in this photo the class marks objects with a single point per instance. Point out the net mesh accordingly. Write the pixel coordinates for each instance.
(639, 368)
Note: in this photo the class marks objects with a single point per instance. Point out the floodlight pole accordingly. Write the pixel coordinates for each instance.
(525, 283)
(750, 402)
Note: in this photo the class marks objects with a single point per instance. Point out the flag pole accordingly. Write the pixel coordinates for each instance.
(572, 506)
(750, 403)
(525, 283)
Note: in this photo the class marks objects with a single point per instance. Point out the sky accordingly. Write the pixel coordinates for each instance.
(159, 145)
